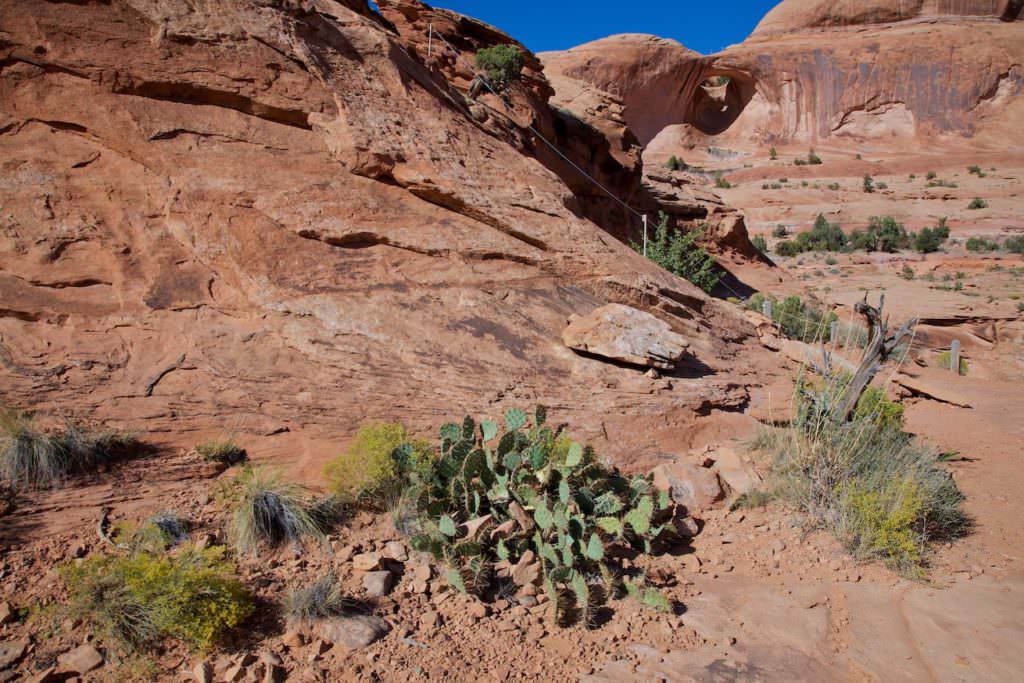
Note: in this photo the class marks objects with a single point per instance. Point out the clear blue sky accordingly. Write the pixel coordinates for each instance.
(560, 24)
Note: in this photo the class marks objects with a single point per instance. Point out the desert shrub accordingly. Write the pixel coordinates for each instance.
(31, 458)
(907, 273)
(912, 176)
(1014, 244)
(137, 599)
(813, 159)
(760, 243)
(494, 498)
(946, 361)
(269, 511)
(674, 164)
(932, 175)
(942, 183)
(868, 183)
(678, 252)
(773, 153)
(796, 319)
(831, 261)
(976, 170)
(981, 244)
(882, 234)
(876, 406)
(788, 248)
(321, 599)
(833, 186)
(857, 157)
(883, 494)
(978, 203)
(501, 63)
(780, 231)
(225, 451)
(799, 161)
(721, 181)
(372, 471)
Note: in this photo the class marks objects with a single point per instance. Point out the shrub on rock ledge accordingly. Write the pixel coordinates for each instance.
(372, 472)
(502, 63)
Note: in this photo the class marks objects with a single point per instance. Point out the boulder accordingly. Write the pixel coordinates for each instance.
(11, 651)
(366, 562)
(734, 471)
(82, 659)
(627, 335)
(353, 632)
(378, 584)
(696, 488)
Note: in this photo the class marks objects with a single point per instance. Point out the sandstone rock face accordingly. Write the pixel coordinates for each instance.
(881, 70)
(624, 334)
(283, 214)
(659, 81)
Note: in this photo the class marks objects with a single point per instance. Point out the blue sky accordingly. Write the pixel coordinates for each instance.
(559, 24)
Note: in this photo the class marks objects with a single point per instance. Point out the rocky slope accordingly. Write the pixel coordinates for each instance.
(278, 219)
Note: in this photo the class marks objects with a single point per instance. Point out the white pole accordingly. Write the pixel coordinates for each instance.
(645, 235)
(430, 39)
(954, 356)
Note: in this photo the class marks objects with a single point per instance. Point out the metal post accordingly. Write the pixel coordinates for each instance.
(766, 308)
(645, 235)
(954, 356)
(833, 331)
(430, 39)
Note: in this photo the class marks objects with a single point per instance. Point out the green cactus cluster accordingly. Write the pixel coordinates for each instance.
(490, 499)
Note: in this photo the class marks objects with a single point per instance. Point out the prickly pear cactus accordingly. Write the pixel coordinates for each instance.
(494, 495)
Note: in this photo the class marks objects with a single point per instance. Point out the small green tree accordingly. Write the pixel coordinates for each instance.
(674, 164)
(869, 183)
(502, 63)
(679, 253)
(773, 153)
(813, 159)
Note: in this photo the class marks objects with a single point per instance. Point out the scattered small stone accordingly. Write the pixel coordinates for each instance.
(395, 550)
(430, 619)
(478, 610)
(82, 659)
(536, 632)
(346, 553)
(378, 584)
(366, 562)
(7, 613)
(527, 600)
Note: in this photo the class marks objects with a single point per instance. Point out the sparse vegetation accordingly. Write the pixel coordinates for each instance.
(796, 319)
(942, 183)
(882, 234)
(930, 239)
(494, 498)
(721, 182)
(981, 244)
(135, 600)
(773, 153)
(945, 360)
(32, 458)
(678, 252)
(932, 175)
(833, 186)
(501, 63)
(883, 494)
(868, 184)
(321, 599)
(976, 170)
(372, 471)
(675, 164)
(907, 273)
(780, 231)
(225, 451)
(267, 511)
(978, 203)
(813, 159)
(760, 243)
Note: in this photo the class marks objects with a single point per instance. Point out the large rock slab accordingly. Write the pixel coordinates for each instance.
(697, 488)
(627, 335)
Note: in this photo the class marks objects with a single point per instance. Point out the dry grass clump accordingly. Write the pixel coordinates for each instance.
(32, 458)
(321, 599)
(224, 450)
(269, 511)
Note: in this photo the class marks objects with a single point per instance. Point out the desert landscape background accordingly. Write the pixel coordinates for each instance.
(273, 224)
